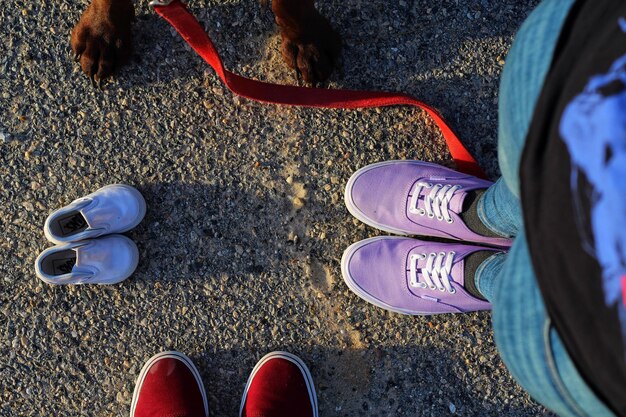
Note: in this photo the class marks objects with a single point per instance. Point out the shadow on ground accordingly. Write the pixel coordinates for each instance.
(246, 225)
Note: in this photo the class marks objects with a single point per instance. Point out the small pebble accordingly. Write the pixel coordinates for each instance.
(298, 202)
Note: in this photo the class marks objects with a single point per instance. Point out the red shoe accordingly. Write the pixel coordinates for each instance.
(169, 385)
(280, 385)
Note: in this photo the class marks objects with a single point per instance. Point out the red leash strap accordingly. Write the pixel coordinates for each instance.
(193, 33)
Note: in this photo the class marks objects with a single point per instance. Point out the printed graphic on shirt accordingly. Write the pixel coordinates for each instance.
(593, 127)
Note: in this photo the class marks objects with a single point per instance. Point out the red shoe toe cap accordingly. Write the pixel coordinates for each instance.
(169, 386)
(280, 387)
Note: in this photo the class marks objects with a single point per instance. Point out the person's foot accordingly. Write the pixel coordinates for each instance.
(169, 385)
(410, 276)
(280, 385)
(419, 198)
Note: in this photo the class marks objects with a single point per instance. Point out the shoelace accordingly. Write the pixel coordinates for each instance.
(436, 272)
(436, 203)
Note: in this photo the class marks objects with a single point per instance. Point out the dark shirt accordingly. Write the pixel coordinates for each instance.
(573, 179)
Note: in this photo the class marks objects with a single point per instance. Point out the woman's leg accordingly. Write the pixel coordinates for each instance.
(527, 64)
(529, 345)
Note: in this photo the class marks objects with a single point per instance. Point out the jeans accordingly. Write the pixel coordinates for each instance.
(526, 339)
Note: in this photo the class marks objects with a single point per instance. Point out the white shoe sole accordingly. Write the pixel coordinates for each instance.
(296, 361)
(165, 355)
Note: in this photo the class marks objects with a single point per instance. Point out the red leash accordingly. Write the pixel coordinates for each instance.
(187, 26)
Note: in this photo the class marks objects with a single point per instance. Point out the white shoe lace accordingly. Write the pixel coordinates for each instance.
(436, 272)
(436, 203)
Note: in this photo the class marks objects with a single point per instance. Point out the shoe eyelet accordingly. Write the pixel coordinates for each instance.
(450, 221)
(430, 216)
(440, 218)
(452, 291)
(433, 287)
(442, 289)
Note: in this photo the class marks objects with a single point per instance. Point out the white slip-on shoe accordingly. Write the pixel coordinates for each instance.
(106, 260)
(115, 208)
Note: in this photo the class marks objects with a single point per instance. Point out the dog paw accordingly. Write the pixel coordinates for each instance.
(101, 41)
(311, 49)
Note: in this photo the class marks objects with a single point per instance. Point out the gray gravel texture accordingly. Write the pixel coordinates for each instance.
(241, 245)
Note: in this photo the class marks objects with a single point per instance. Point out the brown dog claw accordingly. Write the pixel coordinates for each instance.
(101, 40)
(310, 44)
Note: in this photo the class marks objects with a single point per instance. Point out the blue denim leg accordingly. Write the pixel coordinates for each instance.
(529, 345)
(500, 210)
(522, 79)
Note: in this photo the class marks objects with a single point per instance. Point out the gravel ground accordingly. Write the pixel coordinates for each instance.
(241, 245)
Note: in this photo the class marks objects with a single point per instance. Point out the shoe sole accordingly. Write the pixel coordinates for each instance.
(293, 359)
(165, 355)
(352, 208)
(132, 190)
(345, 261)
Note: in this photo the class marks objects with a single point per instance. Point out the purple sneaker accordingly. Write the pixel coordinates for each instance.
(410, 276)
(415, 198)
